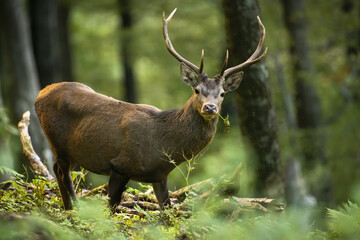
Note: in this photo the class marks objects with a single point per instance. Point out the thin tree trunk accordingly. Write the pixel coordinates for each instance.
(308, 106)
(25, 84)
(64, 40)
(256, 112)
(296, 192)
(126, 24)
(44, 29)
(5, 156)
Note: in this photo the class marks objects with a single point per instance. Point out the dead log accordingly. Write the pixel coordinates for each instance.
(98, 190)
(144, 205)
(147, 196)
(28, 149)
(262, 204)
(198, 188)
(128, 211)
(226, 187)
(231, 186)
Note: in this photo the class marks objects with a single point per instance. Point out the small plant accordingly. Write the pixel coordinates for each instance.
(190, 165)
(226, 122)
(78, 178)
(5, 170)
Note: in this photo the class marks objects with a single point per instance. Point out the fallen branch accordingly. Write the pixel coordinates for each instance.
(144, 205)
(28, 149)
(262, 204)
(198, 187)
(98, 190)
(227, 187)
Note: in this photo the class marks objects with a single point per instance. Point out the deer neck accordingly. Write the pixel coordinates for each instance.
(189, 114)
(194, 132)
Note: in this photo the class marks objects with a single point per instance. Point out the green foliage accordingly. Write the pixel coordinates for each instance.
(32, 210)
(345, 222)
(5, 170)
(78, 178)
(33, 227)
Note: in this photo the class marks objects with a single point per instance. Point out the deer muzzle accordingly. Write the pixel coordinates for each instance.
(209, 109)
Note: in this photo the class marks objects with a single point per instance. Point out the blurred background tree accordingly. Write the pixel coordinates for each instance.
(255, 109)
(315, 44)
(44, 26)
(125, 53)
(20, 78)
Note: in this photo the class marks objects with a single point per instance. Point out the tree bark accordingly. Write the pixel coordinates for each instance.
(296, 193)
(308, 107)
(25, 84)
(126, 24)
(66, 67)
(44, 29)
(5, 156)
(256, 112)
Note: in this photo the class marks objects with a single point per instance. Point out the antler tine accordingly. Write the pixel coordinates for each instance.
(225, 63)
(254, 57)
(201, 62)
(172, 50)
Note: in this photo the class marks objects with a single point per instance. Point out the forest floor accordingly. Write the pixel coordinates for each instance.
(33, 210)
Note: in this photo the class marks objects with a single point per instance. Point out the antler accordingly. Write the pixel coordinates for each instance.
(225, 63)
(172, 50)
(252, 59)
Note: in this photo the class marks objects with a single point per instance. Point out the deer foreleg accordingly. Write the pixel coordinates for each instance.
(117, 185)
(162, 193)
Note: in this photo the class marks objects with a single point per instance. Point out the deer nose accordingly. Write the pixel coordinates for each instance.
(210, 108)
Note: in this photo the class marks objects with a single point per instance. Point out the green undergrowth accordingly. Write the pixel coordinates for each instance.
(33, 210)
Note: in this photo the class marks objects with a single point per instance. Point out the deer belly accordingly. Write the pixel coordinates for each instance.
(144, 170)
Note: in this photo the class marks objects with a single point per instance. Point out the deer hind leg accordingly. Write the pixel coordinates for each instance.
(62, 172)
(162, 193)
(117, 183)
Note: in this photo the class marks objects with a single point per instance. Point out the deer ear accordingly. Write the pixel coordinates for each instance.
(233, 82)
(188, 75)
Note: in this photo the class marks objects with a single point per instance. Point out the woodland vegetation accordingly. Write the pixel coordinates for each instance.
(287, 168)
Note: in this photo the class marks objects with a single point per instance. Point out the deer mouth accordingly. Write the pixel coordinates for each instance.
(209, 116)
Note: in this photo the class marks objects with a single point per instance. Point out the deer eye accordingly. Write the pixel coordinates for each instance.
(222, 94)
(197, 91)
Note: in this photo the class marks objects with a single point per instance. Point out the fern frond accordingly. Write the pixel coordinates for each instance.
(345, 221)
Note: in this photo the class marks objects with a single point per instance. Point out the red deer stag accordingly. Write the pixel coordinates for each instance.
(133, 141)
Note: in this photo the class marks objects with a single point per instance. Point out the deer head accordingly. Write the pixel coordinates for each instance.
(208, 93)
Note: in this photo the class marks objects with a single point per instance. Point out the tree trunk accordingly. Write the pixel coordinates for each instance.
(5, 152)
(64, 41)
(44, 29)
(296, 192)
(308, 107)
(24, 85)
(126, 24)
(256, 112)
